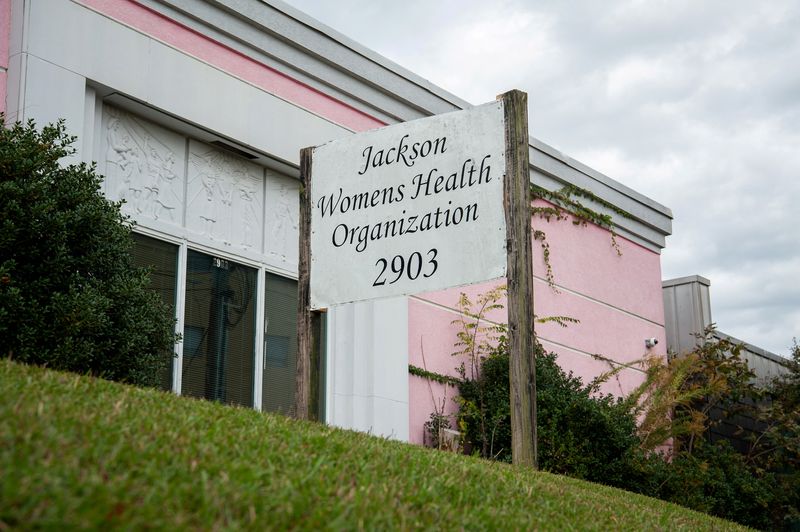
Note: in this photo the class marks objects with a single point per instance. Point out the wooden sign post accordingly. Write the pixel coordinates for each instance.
(305, 335)
(402, 209)
(522, 364)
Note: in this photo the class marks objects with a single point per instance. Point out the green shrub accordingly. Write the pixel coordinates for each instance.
(581, 435)
(737, 444)
(594, 437)
(614, 441)
(70, 297)
(778, 448)
(717, 480)
(580, 432)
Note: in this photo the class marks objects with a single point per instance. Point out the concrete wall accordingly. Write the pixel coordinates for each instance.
(687, 311)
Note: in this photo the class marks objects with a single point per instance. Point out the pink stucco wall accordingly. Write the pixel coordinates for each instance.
(617, 299)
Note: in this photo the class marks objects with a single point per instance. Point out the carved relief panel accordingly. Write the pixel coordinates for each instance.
(282, 215)
(225, 198)
(144, 165)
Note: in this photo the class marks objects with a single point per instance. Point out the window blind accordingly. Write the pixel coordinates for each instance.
(280, 349)
(219, 329)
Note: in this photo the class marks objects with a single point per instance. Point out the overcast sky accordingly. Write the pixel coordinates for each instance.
(695, 104)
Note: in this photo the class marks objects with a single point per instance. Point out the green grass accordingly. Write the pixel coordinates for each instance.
(77, 452)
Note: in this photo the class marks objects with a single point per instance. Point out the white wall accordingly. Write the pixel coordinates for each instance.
(367, 377)
(65, 58)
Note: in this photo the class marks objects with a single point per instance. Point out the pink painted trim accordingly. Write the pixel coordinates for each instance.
(187, 40)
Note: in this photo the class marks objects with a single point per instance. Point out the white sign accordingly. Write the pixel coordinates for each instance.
(408, 208)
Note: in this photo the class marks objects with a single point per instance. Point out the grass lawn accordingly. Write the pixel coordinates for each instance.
(77, 452)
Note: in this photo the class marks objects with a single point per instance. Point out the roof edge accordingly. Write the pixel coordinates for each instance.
(685, 280)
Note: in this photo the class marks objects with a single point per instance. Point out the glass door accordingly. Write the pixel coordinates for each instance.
(219, 330)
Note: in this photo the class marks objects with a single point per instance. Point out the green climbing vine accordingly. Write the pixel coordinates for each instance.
(562, 321)
(432, 375)
(564, 203)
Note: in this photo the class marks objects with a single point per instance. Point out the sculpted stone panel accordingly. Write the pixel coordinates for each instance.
(282, 215)
(144, 167)
(218, 195)
(226, 198)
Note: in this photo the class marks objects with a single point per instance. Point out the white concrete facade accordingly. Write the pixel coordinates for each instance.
(146, 112)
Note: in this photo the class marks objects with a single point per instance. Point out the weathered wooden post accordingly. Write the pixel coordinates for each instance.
(305, 332)
(522, 364)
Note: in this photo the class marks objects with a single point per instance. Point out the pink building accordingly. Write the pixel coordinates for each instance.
(195, 112)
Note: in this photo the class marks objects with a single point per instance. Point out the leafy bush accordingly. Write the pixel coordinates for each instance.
(736, 445)
(778, 447)
(717, 480)
(70, 297)
(683, 398)
(580, 435)
(596, 437)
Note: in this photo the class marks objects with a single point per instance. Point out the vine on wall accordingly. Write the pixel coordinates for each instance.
(566, 202)
(432, 376)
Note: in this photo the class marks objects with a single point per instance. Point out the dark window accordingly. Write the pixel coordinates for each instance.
(280, 345)
(161, 258)
(219, 330)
